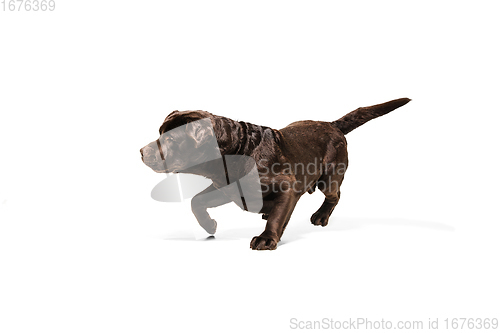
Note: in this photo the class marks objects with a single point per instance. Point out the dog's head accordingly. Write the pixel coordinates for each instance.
(186, 139)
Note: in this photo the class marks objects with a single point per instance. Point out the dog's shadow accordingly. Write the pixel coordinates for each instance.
(300, 228)
(340, 224)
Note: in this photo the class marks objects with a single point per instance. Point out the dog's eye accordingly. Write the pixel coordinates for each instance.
(171, 140)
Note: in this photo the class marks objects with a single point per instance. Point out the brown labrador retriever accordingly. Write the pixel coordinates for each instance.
(299, 158)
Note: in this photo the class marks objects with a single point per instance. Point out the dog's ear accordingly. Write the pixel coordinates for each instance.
(200, 131)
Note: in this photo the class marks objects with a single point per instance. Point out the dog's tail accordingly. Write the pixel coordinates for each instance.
(360, 116)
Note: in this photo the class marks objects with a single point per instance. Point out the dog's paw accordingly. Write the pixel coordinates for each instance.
(209, 225)
(263, 243)
(320, 218)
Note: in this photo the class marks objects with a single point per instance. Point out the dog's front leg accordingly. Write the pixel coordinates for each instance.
(277, 220)
(208, 198)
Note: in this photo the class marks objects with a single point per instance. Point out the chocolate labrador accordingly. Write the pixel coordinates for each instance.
(299, 158)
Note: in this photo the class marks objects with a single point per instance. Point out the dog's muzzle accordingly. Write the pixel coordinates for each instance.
(152, 155)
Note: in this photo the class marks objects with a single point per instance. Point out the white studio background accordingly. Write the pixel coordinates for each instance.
(83, 247)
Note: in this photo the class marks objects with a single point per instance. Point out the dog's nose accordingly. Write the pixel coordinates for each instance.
(142, 154)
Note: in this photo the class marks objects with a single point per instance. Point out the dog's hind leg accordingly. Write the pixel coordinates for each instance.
(330, 186)
(322, 215)
(329, 183)
(208, 198)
